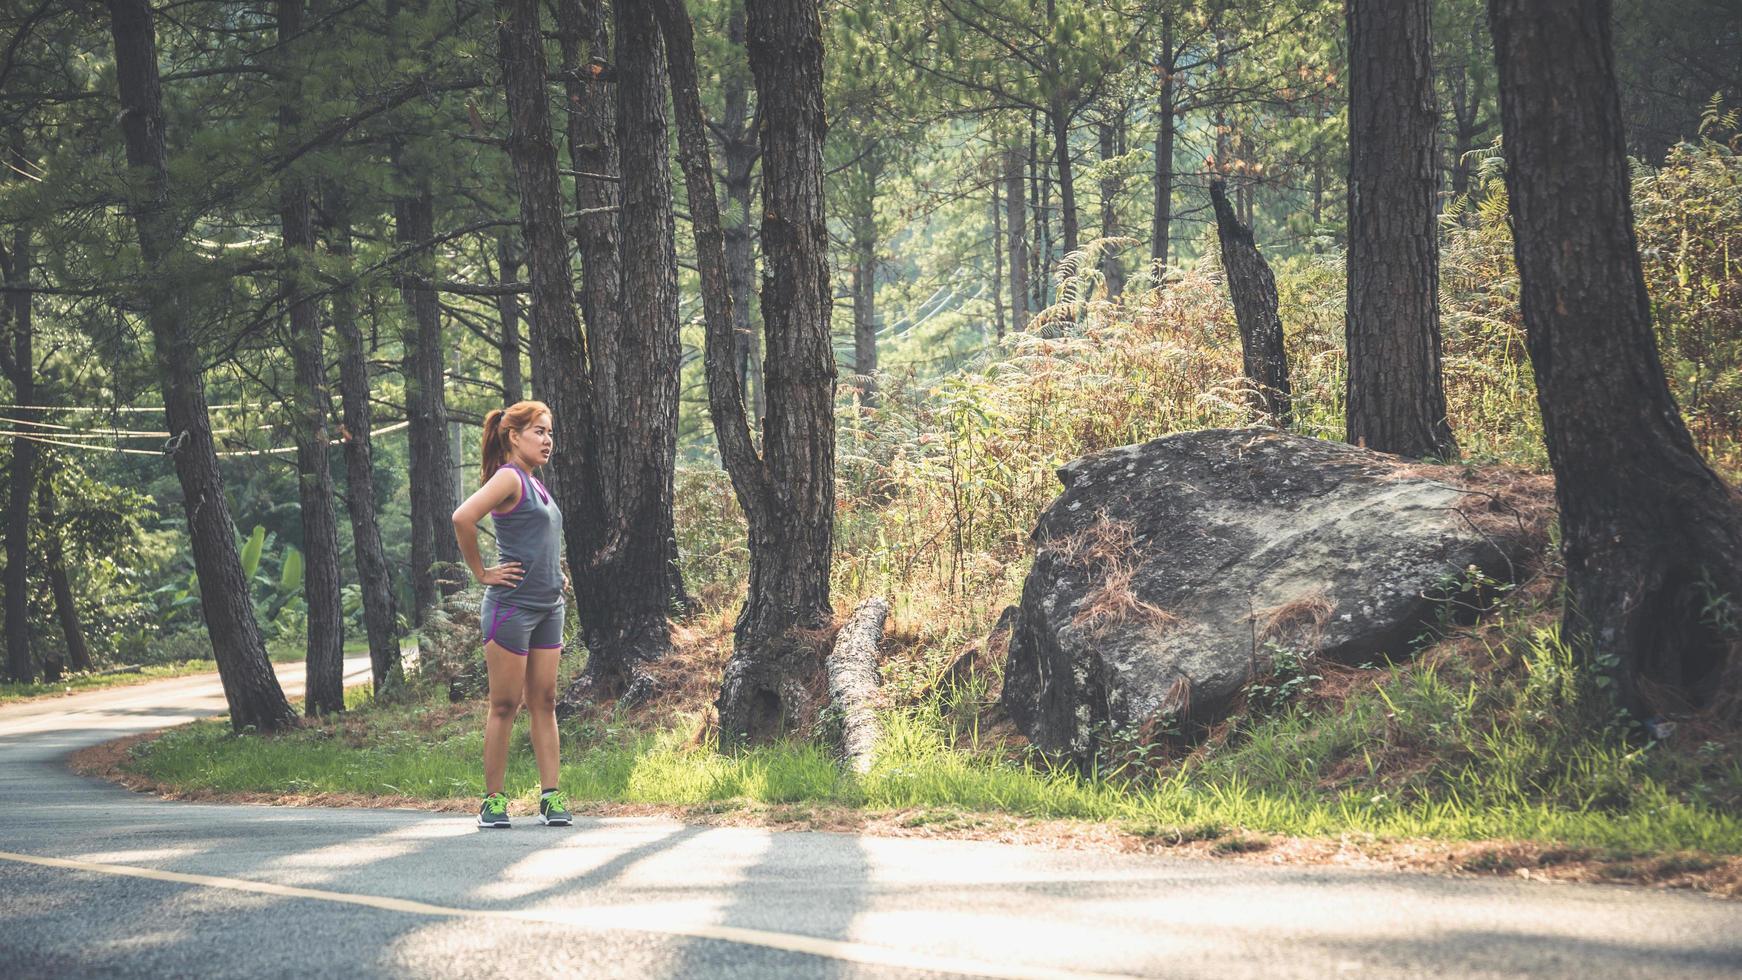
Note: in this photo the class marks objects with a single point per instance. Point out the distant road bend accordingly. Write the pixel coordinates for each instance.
(96, 881)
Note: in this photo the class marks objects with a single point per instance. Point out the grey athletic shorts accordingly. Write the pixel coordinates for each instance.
(518, 630)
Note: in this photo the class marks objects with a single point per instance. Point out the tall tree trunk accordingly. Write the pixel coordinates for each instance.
(1650, 535)
(251, 688)
(1395, 400)
(592, 138)
(736, 131)
(1111, 136)
(1016, 205)
(320, 533)
(434, 552)
(865, 285)
(1058, 121)
(741, 273)
(508, 311)
(1245, 197)
(791, 540)
(1467, 94)
(997, 257)
(1252, 288)
(788, 492)
(1317, 195)
(55, 567)
(1059, 118)
(560, 366)
(1040, 198)
(1161, 221)
(380, 615)
(21, 476)
(637, 379)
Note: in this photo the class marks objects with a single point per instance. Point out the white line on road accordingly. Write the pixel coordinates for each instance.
(597, 919)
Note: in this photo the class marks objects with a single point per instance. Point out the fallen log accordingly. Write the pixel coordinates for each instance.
(853, 681)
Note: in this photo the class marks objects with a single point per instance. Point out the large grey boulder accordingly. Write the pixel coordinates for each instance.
(1167, 574)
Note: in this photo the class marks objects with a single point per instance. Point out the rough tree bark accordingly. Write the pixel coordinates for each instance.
(1112, 138)
(251, 688)
(434, 552)
(1040, 201)
(1161, 220)
(997, 258)
(560, 375)
(638, 378)
(736, 132)
(55, 567)
(1649, 533)
(1016, 206)
(1252, 288)
(592, 140)
(853, 682)
(1395, 400)
(20, 363)
(320, 533)
(791, 542)
(380, 613)
(865, 283)
(1059, 119)
(432, 479)
(622, 485)
(787, 492)
(508, 312)
(1467, 97)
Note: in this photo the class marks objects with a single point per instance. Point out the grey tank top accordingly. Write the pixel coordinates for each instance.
(531, 533)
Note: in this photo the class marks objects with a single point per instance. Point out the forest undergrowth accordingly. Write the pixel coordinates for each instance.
(1489, 733)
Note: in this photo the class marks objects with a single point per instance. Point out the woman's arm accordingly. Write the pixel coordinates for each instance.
(496, 491)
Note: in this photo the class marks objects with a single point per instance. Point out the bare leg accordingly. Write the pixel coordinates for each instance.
(541, 706)
(507, 681)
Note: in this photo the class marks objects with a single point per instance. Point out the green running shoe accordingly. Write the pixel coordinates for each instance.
(553, 810)
(494, 812)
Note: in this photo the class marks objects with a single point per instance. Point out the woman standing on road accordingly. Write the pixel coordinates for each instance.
(522, 616)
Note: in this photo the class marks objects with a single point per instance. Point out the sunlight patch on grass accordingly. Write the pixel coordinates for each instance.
(1267, 785)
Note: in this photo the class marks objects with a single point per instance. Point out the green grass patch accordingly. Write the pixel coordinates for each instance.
(1269, 785)
(1476, 740)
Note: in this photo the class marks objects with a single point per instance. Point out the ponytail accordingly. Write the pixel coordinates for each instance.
(498, 424)
(495, 448)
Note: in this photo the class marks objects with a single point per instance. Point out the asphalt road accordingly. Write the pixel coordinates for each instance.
(96, 881)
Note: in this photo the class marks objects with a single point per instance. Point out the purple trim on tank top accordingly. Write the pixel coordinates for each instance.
(496, 622)
(522, 501)
(538, 485)
(517, 503)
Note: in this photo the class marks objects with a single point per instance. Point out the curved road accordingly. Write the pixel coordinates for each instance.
(96, 881)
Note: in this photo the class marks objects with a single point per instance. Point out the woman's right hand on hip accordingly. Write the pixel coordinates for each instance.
(508, 573)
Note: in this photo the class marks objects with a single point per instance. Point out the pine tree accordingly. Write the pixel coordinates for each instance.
(1649, 533)
(255, 699)
(1396, 401)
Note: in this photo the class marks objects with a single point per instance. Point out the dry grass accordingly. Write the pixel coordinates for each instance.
(686, 680)
(1298, 622)
(1501, 502)
(1113, 602)
(1105, 552)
